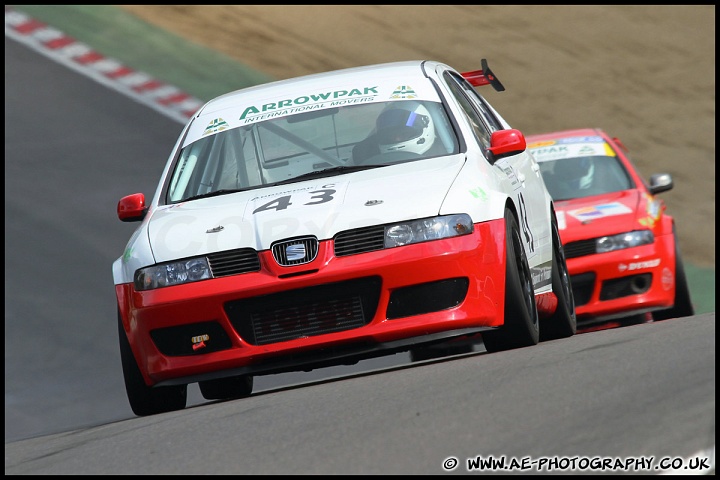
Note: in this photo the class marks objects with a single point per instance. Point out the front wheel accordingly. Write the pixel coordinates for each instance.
(521, 327)
(563, 322)
(146, 400)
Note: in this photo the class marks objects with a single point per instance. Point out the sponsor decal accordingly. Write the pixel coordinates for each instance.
(217, 125)
(130, 251)
(510, 174)
(570, 148)
(585, 151)
(638, 265)
(307, 102)
(299, 197)
(544, 143)
(667, 279)
(566, 141)
(198, 341)
(572, 140)
(403, 92)
(562, 224)
(479, 193)
(654, 211)
(541, 276)
(551, 152)
(599, 211)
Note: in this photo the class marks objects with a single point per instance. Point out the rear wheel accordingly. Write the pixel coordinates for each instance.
(146, 400)
(563, 322)
(521, 328)
(230, 387)
(683, 306)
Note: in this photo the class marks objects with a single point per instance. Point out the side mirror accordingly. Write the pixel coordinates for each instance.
(132, 208)
(660, 182)
(504, 143)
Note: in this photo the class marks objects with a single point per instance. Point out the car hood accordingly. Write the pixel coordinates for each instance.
(591, 217)
(319, 207)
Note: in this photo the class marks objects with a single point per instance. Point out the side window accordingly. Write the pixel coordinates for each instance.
(481, 105)
(480, 131)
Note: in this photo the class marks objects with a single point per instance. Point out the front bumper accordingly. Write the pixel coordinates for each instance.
(332, 310)
(627, 282)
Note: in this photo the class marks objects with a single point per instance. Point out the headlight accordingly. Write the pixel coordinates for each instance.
(427, 229)
(624, 240)
(173, 273)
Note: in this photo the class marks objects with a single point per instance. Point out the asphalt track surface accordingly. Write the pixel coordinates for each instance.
(74, 147)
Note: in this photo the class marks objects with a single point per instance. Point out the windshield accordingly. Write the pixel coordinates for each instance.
(579, 177)
(286, 148)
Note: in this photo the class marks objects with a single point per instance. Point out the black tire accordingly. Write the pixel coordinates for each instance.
(224, 388)
(683, 306)
(562, 323)
(146, 400)
(521, 327)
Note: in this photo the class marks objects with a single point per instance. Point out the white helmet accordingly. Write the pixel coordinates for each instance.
(577, 172)
(405, 127)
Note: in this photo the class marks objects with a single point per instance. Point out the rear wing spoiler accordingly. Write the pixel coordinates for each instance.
(485, 76)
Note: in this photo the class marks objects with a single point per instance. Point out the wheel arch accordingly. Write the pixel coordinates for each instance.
(124, 320)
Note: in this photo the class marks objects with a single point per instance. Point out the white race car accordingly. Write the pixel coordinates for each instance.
(333, 217)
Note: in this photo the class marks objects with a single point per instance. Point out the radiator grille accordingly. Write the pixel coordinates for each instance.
(232, 262)
(295, 251)
(579, 248)
(307, 320)
(305, 312)
(360, 240)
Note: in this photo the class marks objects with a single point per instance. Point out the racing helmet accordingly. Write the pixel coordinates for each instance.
(577, 172)
(405, 127)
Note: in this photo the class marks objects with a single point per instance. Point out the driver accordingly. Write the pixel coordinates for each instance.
(399, 128)
(576, 173)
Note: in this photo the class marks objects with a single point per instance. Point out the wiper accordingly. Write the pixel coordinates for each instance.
(214, 193)
(328, 171)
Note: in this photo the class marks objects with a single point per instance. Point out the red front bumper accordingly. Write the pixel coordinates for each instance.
(623, 283)
(195, 315)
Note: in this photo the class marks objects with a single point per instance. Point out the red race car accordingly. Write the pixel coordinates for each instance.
(620, 244)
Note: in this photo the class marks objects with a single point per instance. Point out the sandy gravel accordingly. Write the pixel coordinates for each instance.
(643, 73)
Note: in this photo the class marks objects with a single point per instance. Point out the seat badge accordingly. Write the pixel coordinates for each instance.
(295, 252)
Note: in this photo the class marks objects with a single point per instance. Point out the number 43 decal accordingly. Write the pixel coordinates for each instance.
(317, 197)
(524, 221)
